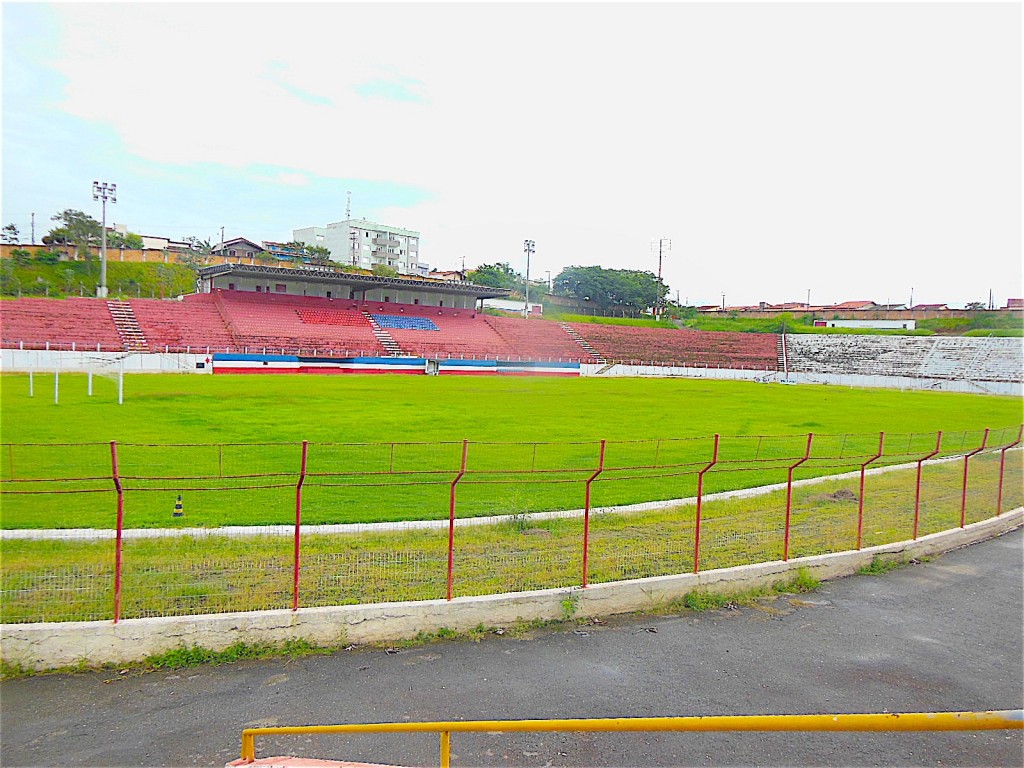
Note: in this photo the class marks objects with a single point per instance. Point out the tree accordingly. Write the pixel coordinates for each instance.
(129, 241)
(611, 290)
(75, 228)
(975, 306)
(383, 270)
(20, 256)
(318, 251)
(202, 246)
(11, 234)
(499, 275)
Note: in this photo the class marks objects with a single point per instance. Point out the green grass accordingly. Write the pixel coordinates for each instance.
(702, 600)
(1006, 332)
(206, 437)
(635, 322)
(356, 409)
(79, 278)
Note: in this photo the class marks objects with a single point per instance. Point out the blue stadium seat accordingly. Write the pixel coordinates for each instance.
(405, 323)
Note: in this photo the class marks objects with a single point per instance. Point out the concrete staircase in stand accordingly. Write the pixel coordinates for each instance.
(582, 342)
(386, 339)
(132, 337)
(781, 341)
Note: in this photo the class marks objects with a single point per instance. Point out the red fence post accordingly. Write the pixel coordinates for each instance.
(860, 503)
(451, 521)
(116, 475)
(298, 525)
(700, 502)
(917, 491)
(586, 515)
(1002, 468)
(963, 496)
(789, 495)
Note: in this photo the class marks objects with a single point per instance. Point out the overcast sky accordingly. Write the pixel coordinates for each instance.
(859, 151)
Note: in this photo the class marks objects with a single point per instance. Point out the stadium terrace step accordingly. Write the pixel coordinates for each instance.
(583, 343)
(132, 337)
(533, 339)
(685, 347)
(385, 338)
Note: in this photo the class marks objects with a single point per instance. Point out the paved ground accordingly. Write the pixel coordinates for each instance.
(943, 635)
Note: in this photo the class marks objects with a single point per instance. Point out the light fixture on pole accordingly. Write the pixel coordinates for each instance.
(664, 244)
(103, 191)
(528, 246)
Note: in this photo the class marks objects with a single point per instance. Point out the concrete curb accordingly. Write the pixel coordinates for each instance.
(43, 646)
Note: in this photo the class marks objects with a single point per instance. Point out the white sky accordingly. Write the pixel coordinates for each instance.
(854, 150)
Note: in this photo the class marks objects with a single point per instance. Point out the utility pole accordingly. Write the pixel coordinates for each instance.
(102, 192)
(528, 246)
(664, 244)
(33, 229)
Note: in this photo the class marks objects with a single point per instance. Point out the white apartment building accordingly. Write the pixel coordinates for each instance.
(365, 244)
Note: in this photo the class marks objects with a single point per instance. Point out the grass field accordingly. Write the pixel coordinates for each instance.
(387, 448)
(359, 409)
(231, 444)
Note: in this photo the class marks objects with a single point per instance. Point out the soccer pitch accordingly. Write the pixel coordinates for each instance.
(371, 409)
(386, 448)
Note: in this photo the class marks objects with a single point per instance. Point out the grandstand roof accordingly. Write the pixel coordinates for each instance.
(354, 279)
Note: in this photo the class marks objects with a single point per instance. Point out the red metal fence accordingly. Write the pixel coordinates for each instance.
(285, 492)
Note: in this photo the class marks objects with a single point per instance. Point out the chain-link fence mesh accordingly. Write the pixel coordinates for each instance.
(215, 528)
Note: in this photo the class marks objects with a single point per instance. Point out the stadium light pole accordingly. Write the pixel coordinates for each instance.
(528, 246)
(103, 191)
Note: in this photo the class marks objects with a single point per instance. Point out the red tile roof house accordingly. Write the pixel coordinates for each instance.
(856, 305)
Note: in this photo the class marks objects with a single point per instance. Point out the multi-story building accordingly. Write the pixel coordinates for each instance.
(365, 244)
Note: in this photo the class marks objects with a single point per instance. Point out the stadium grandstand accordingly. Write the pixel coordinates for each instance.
(400, 324)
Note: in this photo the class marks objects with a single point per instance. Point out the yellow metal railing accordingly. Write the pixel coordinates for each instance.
(1006, 719)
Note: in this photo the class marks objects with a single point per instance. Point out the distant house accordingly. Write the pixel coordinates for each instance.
(282, 251)
(238, 248)
(857, 305)
(453, 275)
(929, 307)
(905, 325)
(150, 242)
(1015, 304)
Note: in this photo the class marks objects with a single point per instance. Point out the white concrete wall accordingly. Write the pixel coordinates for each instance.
(52, 645)
(846, 380)
(15, 361)
(81, 361)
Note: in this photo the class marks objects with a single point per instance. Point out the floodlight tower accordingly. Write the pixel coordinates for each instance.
(664, 245)
(103, 191)
(528, 247)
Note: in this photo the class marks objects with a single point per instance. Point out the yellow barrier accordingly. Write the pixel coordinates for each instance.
(1005, 719)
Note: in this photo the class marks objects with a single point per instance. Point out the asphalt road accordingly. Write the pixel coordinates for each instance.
(942, 635)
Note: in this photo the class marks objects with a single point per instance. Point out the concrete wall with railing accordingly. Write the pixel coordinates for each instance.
(43, 646)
